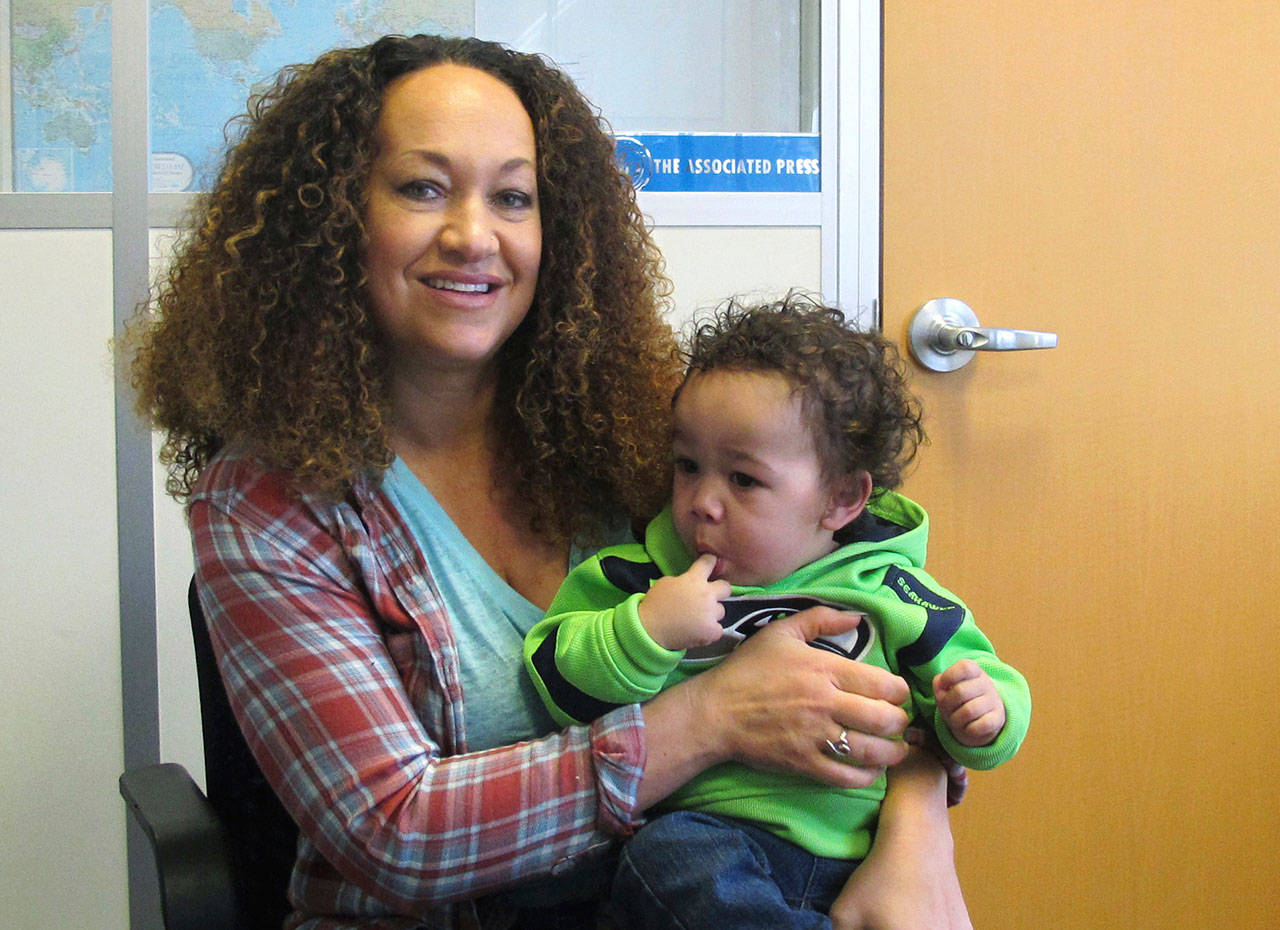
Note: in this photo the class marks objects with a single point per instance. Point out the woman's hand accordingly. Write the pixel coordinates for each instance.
(773, 704)
(908, 881)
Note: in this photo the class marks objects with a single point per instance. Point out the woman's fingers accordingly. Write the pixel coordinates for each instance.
(855, 677)
(809, 624)
(787, 706)
(865, 761)
(875, 695)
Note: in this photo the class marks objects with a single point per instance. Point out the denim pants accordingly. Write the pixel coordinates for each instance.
(695, 871)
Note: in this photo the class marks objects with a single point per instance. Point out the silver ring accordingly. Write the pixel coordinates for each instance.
(841, 746)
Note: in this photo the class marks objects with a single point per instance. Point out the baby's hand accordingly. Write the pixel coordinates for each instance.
(969, 703)
(683, 611)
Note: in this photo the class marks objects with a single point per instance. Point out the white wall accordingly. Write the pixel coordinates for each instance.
(708, 264)
(175, 656)
(62, 855)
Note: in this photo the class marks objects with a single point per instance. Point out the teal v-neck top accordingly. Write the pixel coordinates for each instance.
(489, 619)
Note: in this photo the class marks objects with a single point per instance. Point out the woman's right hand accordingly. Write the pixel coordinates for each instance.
(773, 704)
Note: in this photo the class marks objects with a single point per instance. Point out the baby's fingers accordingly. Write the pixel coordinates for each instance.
(964, 670)
(702, 567)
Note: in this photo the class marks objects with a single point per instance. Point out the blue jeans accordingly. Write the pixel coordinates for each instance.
(695, 871)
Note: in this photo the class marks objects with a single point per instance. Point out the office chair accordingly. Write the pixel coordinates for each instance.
(224, 860)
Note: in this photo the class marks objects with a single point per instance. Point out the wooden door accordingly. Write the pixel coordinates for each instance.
(1110, 508)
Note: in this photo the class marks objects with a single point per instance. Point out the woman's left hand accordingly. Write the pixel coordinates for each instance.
(908, 881)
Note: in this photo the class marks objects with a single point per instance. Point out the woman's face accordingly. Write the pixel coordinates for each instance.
(454, 233)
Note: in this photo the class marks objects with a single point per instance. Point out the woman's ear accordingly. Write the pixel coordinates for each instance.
(848, 500)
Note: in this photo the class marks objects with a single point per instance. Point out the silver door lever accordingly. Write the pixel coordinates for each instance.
(945, 333)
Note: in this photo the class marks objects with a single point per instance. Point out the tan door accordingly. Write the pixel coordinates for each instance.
(1110, 508)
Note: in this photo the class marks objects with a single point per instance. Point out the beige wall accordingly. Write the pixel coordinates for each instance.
(61, 820)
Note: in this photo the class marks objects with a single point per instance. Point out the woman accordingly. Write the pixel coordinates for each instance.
(408, 361)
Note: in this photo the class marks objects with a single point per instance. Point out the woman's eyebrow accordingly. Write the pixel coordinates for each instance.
(441, 160)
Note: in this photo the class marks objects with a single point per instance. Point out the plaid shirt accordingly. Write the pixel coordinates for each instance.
(341, 666)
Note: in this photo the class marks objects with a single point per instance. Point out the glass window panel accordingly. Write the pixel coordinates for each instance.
(207, 56)
(719, 95)
(672, 65)
(668, 73)
(59, 100)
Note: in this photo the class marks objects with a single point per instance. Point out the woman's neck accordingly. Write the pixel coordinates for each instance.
(446, 435)
(442, 416)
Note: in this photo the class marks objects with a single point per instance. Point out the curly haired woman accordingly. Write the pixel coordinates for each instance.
(409, 361)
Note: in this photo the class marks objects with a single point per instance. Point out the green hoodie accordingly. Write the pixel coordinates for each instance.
(591, 654)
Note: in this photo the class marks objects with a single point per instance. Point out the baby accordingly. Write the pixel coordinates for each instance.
(790, 430)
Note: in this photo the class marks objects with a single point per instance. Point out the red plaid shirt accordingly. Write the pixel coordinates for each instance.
(341, 666)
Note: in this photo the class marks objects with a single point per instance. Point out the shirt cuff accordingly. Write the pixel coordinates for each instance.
(619, 749)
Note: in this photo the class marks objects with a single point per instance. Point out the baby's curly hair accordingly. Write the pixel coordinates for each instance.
(261, 333)
(854, 392)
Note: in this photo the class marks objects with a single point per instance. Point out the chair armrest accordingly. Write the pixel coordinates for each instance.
(190, 845)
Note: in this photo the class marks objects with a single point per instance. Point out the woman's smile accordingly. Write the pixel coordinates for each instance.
(461, 287)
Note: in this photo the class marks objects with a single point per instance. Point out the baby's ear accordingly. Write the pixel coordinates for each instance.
(848, 500)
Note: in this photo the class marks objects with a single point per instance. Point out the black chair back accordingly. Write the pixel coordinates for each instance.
(263, 837)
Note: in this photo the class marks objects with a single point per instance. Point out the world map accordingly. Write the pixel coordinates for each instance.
(207, 57)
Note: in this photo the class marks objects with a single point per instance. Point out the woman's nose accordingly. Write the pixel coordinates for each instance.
(468, 232)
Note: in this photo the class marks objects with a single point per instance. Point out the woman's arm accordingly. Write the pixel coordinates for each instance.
(908, 880)
(773, 704)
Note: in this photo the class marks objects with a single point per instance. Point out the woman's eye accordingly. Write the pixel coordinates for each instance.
(514, 200)
(419, 190)
(743, 481)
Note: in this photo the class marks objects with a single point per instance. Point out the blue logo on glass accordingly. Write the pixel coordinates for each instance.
(634, 159)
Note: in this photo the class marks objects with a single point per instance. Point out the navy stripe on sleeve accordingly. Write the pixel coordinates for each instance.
(629, 577)
(576, 703)
(943, 617)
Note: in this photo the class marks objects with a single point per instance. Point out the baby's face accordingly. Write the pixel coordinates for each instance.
(748, 485)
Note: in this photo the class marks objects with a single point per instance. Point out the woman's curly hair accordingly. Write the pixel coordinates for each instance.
(852, 385)
(261, 333)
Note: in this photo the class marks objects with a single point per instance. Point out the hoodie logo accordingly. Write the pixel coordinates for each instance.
(747, 614)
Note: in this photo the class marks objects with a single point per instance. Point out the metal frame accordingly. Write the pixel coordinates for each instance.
(135, 517)
(851, 157)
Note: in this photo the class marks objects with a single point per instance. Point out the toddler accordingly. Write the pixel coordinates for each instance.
(790, 430)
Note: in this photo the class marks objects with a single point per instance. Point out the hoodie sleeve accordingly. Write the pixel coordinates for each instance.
(591, 654)
(930, 632)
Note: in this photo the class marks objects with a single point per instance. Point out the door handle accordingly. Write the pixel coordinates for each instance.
(945, 333)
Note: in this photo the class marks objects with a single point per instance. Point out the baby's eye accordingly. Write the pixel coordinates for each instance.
(686, 466)
(742, 480)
